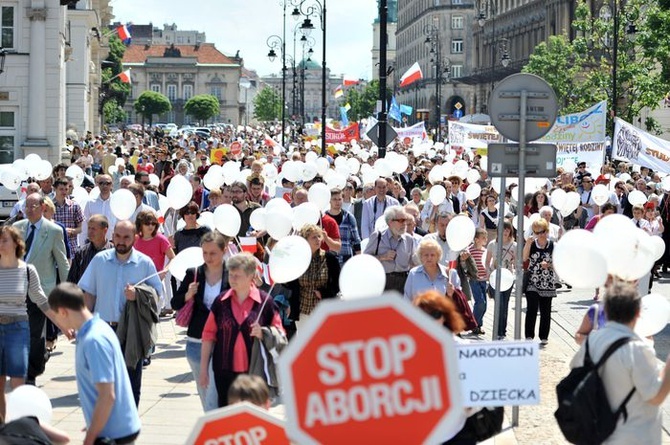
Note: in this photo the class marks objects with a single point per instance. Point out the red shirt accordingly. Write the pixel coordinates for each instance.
(331, 228)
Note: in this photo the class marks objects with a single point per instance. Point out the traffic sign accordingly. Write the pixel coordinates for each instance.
(458, 113)
(239, 424)
(374, 370)
(503, 160)
(373, 133)
(541, 106)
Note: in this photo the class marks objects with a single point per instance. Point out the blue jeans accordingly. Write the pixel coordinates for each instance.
(208, 396)
(504, 306)
(14, 345)
(479, 295)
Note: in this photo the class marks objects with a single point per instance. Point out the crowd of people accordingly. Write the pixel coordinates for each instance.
(100, 260)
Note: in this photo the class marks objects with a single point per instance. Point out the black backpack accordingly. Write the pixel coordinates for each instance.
(584, 414)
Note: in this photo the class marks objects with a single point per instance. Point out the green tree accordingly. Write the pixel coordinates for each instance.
(113, 92)
(150, 103)
(363, 100)
(202, 107)
(267, 105)
(581, 71)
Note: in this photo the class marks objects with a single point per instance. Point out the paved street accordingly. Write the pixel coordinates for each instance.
(170, 405)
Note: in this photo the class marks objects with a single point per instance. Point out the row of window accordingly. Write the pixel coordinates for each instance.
(187, 91)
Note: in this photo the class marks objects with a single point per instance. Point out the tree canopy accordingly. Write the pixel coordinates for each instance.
(150, 103)
(363, 100)
(267, 105)
(202, 107)
(113, 93)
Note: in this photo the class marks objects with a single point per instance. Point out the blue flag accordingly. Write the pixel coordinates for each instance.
(394, 110)
(406, 110)
(343, 116)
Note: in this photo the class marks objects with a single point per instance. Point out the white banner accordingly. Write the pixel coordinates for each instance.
(593, 153)
(417, 130)
(587, 126)
(499, 373)
(639, 147)
(472, 135)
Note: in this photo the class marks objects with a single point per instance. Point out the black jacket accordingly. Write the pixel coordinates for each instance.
(200, 311)
(330, 290)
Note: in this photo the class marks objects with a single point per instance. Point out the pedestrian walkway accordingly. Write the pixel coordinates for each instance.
(170, 405)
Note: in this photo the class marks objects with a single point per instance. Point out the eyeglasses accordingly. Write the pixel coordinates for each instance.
(145, 183)
(151, 223)
(540, 233)
(400, 220)
(434, 314)
(104, 183)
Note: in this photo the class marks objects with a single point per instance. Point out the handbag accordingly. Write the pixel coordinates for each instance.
(485, 423)
(184, 314)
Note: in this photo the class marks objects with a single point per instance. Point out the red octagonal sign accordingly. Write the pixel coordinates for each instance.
(371, 371)
(239, 424)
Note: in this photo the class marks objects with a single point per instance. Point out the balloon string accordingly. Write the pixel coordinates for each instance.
(264, 302)
(151, 276)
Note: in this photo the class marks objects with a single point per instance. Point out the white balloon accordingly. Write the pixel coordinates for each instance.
(473, 191)
(179, 192)
(436, 174)
(213, 181)
(659, 247)
(558, 198)
(336, 180)
(122, 204)
(163, 204)
(270, 171)
(154, 180)
(362, 276)
(665, 184)
(354, 165)
(278, 223)
(600, 194)
(10, 179)
(380, 224)
(76, 173)
(383, 167)
(32, 158)
(636, 197)
(484, 162)
(21, 168)
(278, 204)
(473, 176)
(308, 171)
(460, 232)
(506, 279)
(586, 270)
(319, 194)
(94, 194)
(572, 201)
(526, 221)
(80, 196)
(437, 195)
(289, 259)
(400, 163)
(207, 219)
(43, 170)
(311, 156)
(628, 250)
(29, 401)
(625, 177)
(257, 218)
(322, 166)
(227, 219)
(119, 161)
(186, 259)
(305, 213)
(654, 315)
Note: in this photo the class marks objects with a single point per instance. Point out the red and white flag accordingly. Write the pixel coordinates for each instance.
(348, 81)
(266, 274)
(125, 76)
(248, 244)
(276, 146)
(124, 34)
(411, 75)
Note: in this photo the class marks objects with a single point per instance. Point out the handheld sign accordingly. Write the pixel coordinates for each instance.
(374, 370)
(239, 424)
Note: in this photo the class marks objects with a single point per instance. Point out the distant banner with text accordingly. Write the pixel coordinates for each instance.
(342, 135)
(593, 153)
(587, 126)
(472, 135)
(407, 134)
(639, 147)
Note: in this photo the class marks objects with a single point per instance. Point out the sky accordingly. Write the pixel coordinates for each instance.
(245, 25)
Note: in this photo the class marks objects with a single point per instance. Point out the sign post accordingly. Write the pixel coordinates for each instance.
(374, 370)
(523, 107)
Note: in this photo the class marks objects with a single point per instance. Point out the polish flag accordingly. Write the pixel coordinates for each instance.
(267, 277)
(248, 244)
(124, 34)
(349, 81)
(125, 76)
(411, 75)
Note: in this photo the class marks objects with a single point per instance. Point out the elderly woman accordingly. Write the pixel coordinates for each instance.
(430, 274)
(320, 281)
(202, 285)
(235, 319)
(541, 281)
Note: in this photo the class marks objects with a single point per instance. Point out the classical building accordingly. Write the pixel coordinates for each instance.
(180, 72)
(436, 33)
(391, 27)
(303, 91)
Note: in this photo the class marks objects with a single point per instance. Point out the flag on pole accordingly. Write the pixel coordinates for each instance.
(124, 33)
(348, 81)
(411, 75)
(406, 109)
(248, 244)
(125, 76)
(347, 106)
(339, 92)
(394, 110)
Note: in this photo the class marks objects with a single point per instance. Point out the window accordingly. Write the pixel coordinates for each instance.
(216, 92)
(7, 119)
(6, 149)
(171, 92)
(456, 71)
(456, 2)
(155, 87)
(456, 46)
(457, 22)
(188, 92)
(7, 26)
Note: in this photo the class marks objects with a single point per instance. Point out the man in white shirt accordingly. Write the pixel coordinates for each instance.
(100, 206)
(375, 206)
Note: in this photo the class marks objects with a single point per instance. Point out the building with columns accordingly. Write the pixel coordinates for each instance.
(181, 72)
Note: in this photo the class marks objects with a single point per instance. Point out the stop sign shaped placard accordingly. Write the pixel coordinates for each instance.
(373, 370)
(239, 424)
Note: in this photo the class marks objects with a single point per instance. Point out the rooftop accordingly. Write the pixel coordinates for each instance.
(206, 53)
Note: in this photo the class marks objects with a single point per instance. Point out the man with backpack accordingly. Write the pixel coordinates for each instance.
(614, 369)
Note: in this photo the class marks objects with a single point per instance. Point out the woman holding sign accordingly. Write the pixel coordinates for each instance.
(236, 318)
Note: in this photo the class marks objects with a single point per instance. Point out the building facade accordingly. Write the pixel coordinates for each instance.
(250, 86)
(180, 72)
(447, 23)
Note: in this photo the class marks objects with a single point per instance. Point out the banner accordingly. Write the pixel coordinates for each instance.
(407, 134)
(472, 135)
(639, 147)
(343, 135)
(593, 153)
(587, 126)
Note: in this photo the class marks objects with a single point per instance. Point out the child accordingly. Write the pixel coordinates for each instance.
(249, 388)
(478, 284)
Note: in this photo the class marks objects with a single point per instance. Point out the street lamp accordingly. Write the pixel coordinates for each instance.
(318, 8)
(275, 42)
(487, 10)
(432, 33)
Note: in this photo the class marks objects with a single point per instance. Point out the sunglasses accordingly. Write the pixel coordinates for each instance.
(145, 183)
(104, 183)
(540, 233)
(151, 223)
(190, 212)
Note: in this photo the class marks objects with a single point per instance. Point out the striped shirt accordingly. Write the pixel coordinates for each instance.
(478, 255)
(14, 287)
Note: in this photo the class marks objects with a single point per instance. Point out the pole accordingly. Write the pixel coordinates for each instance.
(493, 44)
(438, 81)
(615, 56)
(324, 104)
(383, 36)
(520, 229)
(283, 81)
(499, 254)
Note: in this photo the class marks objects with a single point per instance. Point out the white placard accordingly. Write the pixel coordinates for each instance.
(499, 373)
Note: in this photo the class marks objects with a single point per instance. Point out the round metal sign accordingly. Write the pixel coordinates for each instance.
(541, 106)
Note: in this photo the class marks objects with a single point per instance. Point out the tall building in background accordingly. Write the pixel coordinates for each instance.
(391, 27)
